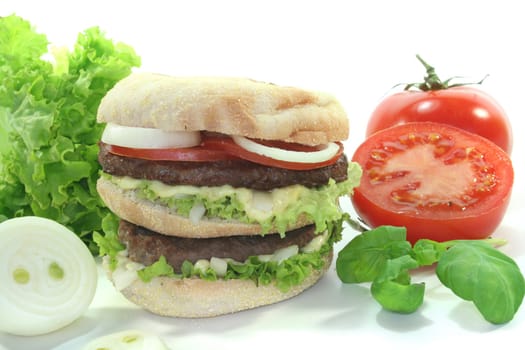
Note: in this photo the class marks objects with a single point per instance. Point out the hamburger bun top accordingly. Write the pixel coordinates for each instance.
(232, 106)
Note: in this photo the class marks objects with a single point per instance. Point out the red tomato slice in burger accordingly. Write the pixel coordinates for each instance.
(214, 148)
(438, 181)
(192, 154)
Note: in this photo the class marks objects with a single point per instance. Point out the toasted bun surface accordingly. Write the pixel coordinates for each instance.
(126, 205)
(194, 298)
(233, 106)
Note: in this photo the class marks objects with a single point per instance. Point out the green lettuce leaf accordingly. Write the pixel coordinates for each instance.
(108, 243)
(158, 268)
(48, 129)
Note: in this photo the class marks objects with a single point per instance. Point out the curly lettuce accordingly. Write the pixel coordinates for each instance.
(48, 129)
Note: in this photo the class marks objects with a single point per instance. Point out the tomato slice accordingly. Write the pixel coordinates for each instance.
(215, 148)
(228, 145)
(439, 181)
(192, 154)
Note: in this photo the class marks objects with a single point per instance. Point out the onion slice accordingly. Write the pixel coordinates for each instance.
(148, 138)
(322, 155)
(128, 339)
(284, 253)
(197, 213)
(48, 276)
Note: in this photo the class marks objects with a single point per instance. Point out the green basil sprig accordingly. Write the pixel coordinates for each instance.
(473, 269)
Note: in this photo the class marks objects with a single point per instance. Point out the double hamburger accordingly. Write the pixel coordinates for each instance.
(226, 188)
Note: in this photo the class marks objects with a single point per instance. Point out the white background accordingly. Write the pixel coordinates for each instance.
(357, 51)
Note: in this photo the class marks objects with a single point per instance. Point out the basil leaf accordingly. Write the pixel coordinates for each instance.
(392, 288)
(396, 269)
(477, 272)
(397, 297)
(363, 258)
(428, 252)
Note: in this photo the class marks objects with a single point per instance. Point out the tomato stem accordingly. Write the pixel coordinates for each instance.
(432, 81)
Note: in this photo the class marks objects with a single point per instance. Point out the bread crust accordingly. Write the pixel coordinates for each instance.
(233, 106)
(156, 217)
(197, 298)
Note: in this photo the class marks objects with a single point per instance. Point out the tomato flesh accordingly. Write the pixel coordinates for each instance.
(465, 107)
(438, 181)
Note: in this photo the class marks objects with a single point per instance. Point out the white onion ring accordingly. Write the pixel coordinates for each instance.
(324, 154)
(48, 277)
(136, 137)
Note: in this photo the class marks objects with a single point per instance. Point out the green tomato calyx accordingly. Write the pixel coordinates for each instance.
(433, 82)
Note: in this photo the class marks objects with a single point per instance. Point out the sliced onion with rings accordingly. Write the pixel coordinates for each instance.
(318, 156)
(149, 138)
(48, 276)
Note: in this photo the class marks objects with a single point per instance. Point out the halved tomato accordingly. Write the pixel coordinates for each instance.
(439, 181)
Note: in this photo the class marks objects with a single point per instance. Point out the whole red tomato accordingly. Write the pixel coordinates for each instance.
(465, 107)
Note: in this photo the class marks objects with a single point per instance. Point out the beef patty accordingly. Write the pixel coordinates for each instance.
(236, 173)
(146, 247)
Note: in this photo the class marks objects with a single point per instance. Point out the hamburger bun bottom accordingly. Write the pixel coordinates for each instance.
(197, 298)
